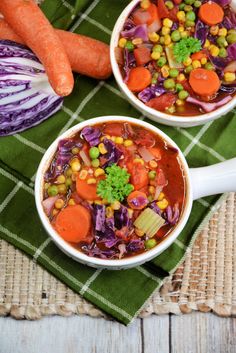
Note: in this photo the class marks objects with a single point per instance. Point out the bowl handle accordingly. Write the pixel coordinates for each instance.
(215, 179)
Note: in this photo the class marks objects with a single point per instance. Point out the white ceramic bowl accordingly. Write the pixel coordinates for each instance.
(153, 114)
(200, 177)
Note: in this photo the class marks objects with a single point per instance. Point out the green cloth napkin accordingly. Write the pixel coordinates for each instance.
(121, 294)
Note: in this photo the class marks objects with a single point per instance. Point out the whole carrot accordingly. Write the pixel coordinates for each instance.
(87, 56)
(29, 22)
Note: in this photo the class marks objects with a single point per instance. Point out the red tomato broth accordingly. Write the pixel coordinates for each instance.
(178, 104)
(172, 174)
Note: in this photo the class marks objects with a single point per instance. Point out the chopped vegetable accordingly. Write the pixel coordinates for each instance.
(137, 200)
(139, 79)
(211, 13)
(91, 135)
(204, 82)
(185, 47)
(209, 107)
(149, 222)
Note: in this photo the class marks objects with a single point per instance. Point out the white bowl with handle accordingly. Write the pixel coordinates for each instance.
(200, 182)
(160, 117)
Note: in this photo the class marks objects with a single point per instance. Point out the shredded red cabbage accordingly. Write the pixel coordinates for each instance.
(99, 214)
(113, 153)
(171, 215)
(231, 50)
(201, 31)
(151, 92)
(155, 208)
(135, 245)
(129, 62)
(121, 218)
(139, 31)
(209, 107)
(91, 135)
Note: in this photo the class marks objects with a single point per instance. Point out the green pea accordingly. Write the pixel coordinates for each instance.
(154, 81)
(52, 190)
(181, 6)
(69, 172)
(68, 182)
(178, 87)
(129, 45)
(169, 5)
(171, 110)
(162, 40)
(197, 3)
(62, 189)
(161, 62)
(232, 31)
(173, 72)
(188, 8)
(169, 83)
(94, 152)
(189, 2)
(183, 94)
(209, 66)
(155, 75)
(152, 174)
(223, 53)
(231, 38)
(188, 69)
(175, 36)
(150, 243)
(221, 41)
(189, 23)
(95, 163)
(157, 48)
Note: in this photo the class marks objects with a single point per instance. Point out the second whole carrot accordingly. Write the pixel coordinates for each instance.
(29, 22)
(87, 56)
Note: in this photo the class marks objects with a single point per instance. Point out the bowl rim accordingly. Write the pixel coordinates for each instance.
(188, 119)
(106, 263)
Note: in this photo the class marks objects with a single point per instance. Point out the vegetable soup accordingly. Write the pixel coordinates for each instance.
(114, 190)
(179, 56)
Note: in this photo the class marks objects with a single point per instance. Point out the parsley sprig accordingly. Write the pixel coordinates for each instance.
(185, 47)
(116, 185)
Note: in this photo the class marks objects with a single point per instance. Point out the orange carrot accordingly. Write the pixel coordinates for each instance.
(73, 223)
(204, 82)
(29, 22)
(139, 78)
(133, 200)
(156, 152)
(96, 64)
(152, 11)
(211, 13)
(199, 55)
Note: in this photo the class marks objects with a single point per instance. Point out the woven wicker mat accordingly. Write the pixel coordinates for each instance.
(205, 281)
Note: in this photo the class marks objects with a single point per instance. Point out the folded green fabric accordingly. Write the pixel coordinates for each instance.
(121, 294)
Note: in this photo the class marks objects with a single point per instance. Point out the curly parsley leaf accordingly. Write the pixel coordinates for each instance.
(185, 47)
(116, 185)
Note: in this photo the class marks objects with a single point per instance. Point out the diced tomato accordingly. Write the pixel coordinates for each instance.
(156, 152)
(162, 102)
(144, 138)
(173, 14)
(160, 178)
(177, 2)
(163, 11)
(142, 55)
(141, 16)
(199, 55)
(152, 10)
(114, 129)
(139, 176)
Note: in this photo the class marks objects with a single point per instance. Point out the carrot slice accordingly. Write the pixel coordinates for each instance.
(139, 79)
(29, 22)
(137, 200)
(73, 223)
(204, 82)
(199, 55)
(211, 13)
(86, 191)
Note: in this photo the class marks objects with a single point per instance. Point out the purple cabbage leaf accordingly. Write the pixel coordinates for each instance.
(91, 135)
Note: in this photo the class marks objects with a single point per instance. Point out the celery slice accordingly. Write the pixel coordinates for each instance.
(149, 222)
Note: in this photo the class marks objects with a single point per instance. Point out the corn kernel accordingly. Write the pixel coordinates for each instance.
(187, 62)
(155, 55)
(222, 32)
(61, 179)
(196, 64)
(180, 77)
(102, 148)
(98, 172)
(71, 202)
(167, 39)
(151, 189)
(161, 196)
(214, 50)
(122, 42)
(130, 212)
(165, 71)
(75, 150)
(75, 165)
(113, 138)
(167, 22)
(179, 102)
(119, 140)
(165, 30)
(181, 16)
(128, 143)
(69, 172)
(214, 30)
(55, 212)
(104, 202)
(162, 204)
(137, 41)
(138, 160)
(98, 202)
(139, 232)
(229, 76)
(203, 61)
(153, 37)
(59, 204)
(83, 174)
(105, 137)
(91, 181)
(153, 164)
(145, 4)
(207, 43)
(181, 29)
(109, 212)
(115, 205)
